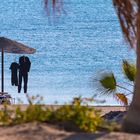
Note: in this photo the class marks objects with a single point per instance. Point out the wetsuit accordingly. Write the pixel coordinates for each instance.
(24, 68)
(14, 68)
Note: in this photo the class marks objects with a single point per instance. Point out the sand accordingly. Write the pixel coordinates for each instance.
(35, 131)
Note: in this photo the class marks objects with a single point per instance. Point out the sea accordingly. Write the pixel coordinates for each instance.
(73, 47)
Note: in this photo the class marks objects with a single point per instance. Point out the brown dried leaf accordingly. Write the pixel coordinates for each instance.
(122, 98)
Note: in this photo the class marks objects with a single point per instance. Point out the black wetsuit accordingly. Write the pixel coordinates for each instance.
(14, 68)
(24, 68)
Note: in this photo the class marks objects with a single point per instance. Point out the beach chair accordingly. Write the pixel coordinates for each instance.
(6, 98)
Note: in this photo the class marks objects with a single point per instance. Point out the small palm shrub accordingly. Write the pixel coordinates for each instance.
(108, 84)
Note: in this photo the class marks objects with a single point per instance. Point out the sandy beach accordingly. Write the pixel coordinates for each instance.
(35, 131)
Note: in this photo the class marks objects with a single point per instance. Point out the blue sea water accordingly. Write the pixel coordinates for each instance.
(71, 48)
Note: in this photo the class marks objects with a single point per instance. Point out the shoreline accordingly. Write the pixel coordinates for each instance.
(104, 109)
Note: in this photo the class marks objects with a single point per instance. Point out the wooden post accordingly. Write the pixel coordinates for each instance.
(2, 70)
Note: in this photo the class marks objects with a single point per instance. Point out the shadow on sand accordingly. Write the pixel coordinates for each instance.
(85, 136)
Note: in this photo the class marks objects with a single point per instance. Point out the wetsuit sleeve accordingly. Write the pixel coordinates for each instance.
(10, 67)
(29, 64)
(17, 66)
(20, 60)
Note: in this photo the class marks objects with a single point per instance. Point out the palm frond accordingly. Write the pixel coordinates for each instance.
(121, 98)
(129, 70)
(108, 82)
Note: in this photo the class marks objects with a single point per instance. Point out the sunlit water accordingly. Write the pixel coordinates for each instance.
(71, 49)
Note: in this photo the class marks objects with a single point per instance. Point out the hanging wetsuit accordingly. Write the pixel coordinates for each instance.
(14, 79)
(24, 68)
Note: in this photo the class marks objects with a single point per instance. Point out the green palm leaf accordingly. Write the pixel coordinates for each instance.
(129, 70)
(108, 82)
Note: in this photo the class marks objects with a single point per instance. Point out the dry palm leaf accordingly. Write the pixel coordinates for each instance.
(122, 98)
(128, 12)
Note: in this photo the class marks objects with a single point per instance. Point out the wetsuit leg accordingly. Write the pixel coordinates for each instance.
(12, 80)
(16, 80)
(20, 82)
(25, 77)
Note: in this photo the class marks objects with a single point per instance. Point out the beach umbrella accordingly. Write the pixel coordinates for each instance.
(11, 46)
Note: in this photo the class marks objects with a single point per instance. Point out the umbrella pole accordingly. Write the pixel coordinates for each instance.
(2, 70)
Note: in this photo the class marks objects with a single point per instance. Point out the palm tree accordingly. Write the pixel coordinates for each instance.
(128, 12)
